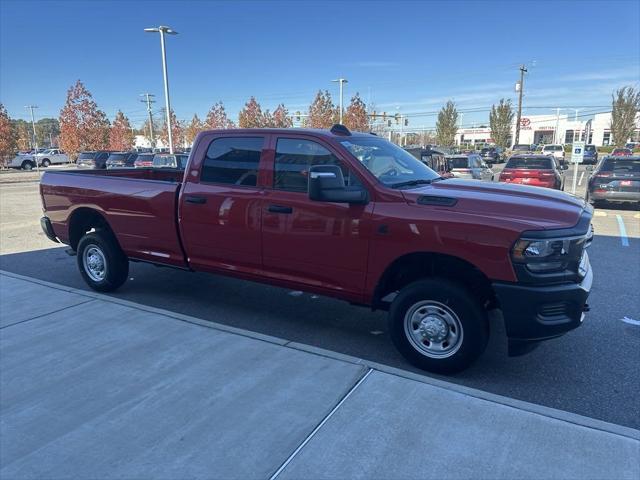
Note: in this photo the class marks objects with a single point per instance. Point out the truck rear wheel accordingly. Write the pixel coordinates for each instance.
(102, 263)
(438, 325)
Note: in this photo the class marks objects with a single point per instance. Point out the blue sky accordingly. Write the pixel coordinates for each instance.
(408, 57)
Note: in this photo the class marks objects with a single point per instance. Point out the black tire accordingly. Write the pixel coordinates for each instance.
(45, 163)
(108, 252)
(472, 319)
(27, 165)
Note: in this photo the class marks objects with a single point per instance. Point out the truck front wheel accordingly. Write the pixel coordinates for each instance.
(438, 325)
(102, 263)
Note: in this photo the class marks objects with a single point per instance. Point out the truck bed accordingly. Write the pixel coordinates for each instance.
(140, 206)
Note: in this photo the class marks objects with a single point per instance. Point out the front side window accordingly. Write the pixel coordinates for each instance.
(233, 160)
(293, 159)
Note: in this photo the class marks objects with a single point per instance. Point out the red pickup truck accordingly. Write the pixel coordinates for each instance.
(347, 215)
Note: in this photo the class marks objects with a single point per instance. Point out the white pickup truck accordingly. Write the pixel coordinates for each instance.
(51, 156)
(48, 157)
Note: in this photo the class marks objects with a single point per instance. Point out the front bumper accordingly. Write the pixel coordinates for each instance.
(47, 228)
(533, 313)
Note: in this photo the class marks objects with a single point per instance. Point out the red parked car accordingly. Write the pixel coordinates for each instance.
(621, 152)
(534, 170)
(347, 215)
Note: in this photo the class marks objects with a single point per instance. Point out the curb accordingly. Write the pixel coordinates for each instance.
(541, 410)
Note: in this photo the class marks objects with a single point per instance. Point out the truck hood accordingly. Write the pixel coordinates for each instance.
(525, 207)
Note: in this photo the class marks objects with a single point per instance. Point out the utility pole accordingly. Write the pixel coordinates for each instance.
(35, 138)
(555, 133)
(520, 88)
(149, 100)
(341, 81)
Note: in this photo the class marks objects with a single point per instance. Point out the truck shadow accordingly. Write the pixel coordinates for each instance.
(538, 377)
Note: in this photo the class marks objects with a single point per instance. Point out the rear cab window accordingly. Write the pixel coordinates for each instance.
(233, 161)
(459, 162)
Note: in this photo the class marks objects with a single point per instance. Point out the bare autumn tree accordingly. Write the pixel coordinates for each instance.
(356, 118)
(251, 115)
(500, 122)
(83, 126)
(322, 111)
(120, 134)
(447, 125)
(217, 118)
(193, 129)
(177, 131)
(625, 106)
(7, 136)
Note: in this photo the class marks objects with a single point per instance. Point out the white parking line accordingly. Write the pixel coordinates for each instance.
(581, 177)
(623, 231)
(631, 321)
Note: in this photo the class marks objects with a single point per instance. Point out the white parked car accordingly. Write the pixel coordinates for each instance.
(556, 150)
(51, 156)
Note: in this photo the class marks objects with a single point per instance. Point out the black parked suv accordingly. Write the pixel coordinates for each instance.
(96, 160)
(121, 160)
(615, 179)
(492, 155)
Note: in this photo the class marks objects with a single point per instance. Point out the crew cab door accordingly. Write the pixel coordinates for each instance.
(220, 203)
(323, 245)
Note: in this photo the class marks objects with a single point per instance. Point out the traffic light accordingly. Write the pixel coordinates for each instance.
(384, 116)
(397, 117)
(388, 123)
(297, 116)
(406, 122)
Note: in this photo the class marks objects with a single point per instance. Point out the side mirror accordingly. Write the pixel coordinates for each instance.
(565, 167)
(326, 184)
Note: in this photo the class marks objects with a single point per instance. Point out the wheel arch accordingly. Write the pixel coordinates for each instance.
(85, 219)
(417, 265)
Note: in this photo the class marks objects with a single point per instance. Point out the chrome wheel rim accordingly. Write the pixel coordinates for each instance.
(95, 263)
(433, 329)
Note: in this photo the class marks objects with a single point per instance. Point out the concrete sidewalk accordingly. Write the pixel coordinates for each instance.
(96, 387)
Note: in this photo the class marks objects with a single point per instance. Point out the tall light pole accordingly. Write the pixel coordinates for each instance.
(165, 30)
(341, 81)
(519, 89)
(35, 138)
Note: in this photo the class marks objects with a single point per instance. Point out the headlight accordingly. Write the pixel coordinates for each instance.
(542, 256)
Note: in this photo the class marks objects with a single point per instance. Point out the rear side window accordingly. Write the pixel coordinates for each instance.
(233, 160)
(530, 163)
(293, 159)
(87, 155)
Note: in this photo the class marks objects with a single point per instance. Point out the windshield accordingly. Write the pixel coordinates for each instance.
(521, 147)
(590, 148)
(389, 163)
(542, 163)
(117, 156)
(487, 150)
(87, 156)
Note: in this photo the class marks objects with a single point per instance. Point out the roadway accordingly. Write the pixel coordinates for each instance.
(592, 371)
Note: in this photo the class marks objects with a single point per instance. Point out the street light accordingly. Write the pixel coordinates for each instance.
(165, 30)
(341, 81)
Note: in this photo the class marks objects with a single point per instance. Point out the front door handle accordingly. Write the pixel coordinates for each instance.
(195, 199)
(280, 209)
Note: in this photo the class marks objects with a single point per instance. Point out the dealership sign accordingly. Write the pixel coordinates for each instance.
(525, 123)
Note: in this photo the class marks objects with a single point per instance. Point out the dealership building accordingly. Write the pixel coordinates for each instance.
(545, 129)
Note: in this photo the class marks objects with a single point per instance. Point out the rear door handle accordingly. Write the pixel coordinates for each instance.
(280, 209)
(196, 200)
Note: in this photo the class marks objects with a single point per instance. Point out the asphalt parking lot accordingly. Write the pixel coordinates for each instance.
(591, 371)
